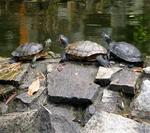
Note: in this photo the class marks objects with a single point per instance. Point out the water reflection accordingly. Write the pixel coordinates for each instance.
(26, 21)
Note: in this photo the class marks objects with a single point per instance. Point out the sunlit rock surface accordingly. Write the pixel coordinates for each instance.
(104, 122)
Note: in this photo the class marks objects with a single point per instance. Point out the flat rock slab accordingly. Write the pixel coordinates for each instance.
(34, 121)
(141, 104)
(74, 84)
(104, 75)
(125, 81)
(104, 122)
(25, 98)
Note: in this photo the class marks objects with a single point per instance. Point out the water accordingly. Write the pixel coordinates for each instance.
(26, 21)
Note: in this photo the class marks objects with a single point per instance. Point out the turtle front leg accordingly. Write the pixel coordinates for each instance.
(103, 61)
(63, 57)
(33, 62)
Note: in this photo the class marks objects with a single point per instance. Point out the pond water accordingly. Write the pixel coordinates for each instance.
(30, 21)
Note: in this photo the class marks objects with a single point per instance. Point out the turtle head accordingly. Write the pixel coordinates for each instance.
(107, 38)
(47, 43)
(63, 40)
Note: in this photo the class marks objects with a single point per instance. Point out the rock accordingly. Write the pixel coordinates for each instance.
(146, 70)
(18, 79)
(62, 125)
(65, 112)
(104, 122)
(141, 104)
(34, 121)
(25, 98)
(104, 75)
(6, 89)
(32, 75)
(125, 81)
(74, 84)
(89, 112)
(110, 101)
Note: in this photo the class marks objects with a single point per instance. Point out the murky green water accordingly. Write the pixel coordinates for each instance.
(26, 21)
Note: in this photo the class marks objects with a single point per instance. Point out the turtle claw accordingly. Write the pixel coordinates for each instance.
(103, 61)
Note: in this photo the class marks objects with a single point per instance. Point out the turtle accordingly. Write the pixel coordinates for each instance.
(29, 51)
(123, 51)
(83, 51)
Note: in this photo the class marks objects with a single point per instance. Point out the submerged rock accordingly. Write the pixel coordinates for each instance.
(104, 75)
(141, 104)
(125, 81)
(73, 84)
(34, 121)
(104, 122)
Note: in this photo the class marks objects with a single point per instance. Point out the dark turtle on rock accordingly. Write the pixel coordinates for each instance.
(29, 51)
(124, 51)
(83, 51)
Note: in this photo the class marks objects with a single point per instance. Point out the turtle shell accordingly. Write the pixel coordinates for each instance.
(126, 51)
(27, 49)
(85, 50)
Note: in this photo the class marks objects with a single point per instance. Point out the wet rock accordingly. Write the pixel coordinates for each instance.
(104, 122)
(104, 75)
(141, 104)
(25, 98)
(34, 121)
(74, 84)
(125, 81)
(110, 102)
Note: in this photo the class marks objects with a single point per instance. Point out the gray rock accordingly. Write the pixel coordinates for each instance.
(141, 104)
(125, 81)
(74, 84)
(34, 121)
(89, 112)
(104, 122)
(104, 75)
(25, 98)
(110, 102)
(64, 111)
(62, 125)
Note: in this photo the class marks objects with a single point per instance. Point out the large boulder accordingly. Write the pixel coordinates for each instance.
(73, 84)
(34, 121)
(141, 104)
(104, 122)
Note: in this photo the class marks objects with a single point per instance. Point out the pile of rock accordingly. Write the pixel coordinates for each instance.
(79, 98)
